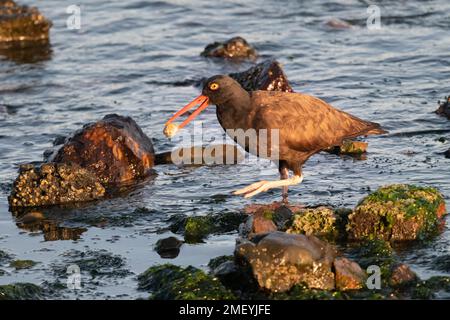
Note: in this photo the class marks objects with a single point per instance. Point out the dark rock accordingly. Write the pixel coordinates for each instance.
(401, 274)
(21, 291)
(280, 260)
(282, 216)
(52, 184)
(444, 108)
(168, 248)
(236, 48)
(235, 278)
(22, 23)
(114, 148)
(217, 261)
(169, 282)
(197, 228)
(447, 154)
(5, 257)
(267, 75)
(441, 263)
(349, 275)
(398, 213)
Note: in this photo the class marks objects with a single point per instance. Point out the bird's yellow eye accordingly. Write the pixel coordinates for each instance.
(213, 86)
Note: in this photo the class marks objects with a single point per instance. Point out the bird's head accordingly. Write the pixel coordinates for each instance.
(217, 90)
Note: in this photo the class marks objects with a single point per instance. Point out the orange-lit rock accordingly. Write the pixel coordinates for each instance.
(115, 149)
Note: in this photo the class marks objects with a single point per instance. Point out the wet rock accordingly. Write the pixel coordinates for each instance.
(397, 213)
(217, 154)
(320, 221)
(96, 264)
(217, 261)
(349, 275)
(22, 264)
(170, 282)
(280, 260)
(401, 274)
(259, 222)
(195, 229)
(115, 149)
(22, 23)
(350, 147)
(168, 248)
(336, 23)
(236, 48)
(447, 154)
(431, 288)
(52, 184)
(235, 278)
(4, 257)
(21, 291)
(444, 108)
(267, 75)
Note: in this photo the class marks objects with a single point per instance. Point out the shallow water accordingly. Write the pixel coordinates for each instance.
(138, 58)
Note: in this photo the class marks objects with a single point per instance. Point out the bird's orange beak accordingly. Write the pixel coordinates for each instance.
(202, 100)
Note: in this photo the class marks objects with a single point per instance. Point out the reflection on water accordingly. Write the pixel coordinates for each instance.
(26, 52)
(139, 59)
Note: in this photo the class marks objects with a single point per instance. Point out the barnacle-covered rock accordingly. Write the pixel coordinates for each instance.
(398, 213)
(279, 260)
(267, 75)
(22, 23)
(53, 183)
(234, 48)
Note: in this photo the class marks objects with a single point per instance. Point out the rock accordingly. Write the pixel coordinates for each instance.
(168, 248)
(397, 213)
(21, 291)
(4, 257)
(401, 274)
(22, 264)
(217, 261)
(236, 48)
(267, 75)
(349, 147)
(349, 275)
(114, 148)
(444, 108)
(52, 184)
(197, 228)
(170, 282)
(431, 288)
(336, 23)
(447, 154)
(280, 260)
(22, 23)
(320, 221)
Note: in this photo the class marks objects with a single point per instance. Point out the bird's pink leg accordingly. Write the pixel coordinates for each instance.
(262, 186)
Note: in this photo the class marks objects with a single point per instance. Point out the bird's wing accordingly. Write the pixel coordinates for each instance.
(306, 123)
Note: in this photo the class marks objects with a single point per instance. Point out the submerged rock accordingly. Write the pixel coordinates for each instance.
(235, 48)
(22, 23)
(402, 274)
(350, 147)
(196, 228)
(280, 260)
(170, 282)
(444, 108)
(168, 248)
(397, 213)
(115, 149)
(21, 291)
(52, 184)
(22, 264)
(267, 75)
(447, 154)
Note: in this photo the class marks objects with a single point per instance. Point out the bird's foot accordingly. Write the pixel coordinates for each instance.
(264, 185)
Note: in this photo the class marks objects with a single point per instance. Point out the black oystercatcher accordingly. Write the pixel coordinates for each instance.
(306, 125)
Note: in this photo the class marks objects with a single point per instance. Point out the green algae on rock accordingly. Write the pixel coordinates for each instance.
(21, 291)
(320, 221)
(170, 282)
(52, 184)
(397, 213)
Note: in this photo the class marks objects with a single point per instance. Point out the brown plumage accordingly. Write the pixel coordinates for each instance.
(306, 124)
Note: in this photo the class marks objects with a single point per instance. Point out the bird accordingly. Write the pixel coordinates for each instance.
(305, 125)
